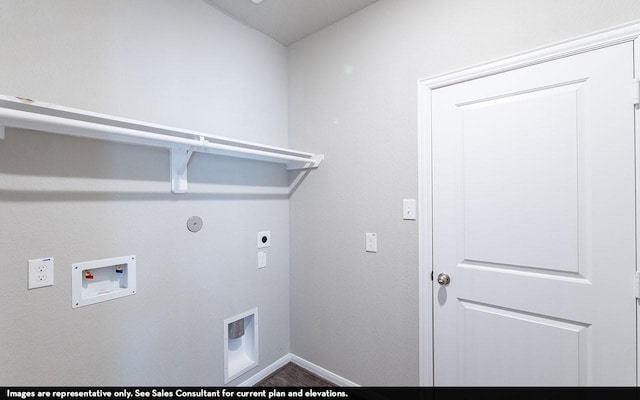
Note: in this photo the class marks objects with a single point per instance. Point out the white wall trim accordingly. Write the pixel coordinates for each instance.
(321, 372)
(603, 38)
(636, 74)
(425, 243)
(281, 362)
(284, 360)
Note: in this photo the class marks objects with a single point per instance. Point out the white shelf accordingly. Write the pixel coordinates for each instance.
(28, 114)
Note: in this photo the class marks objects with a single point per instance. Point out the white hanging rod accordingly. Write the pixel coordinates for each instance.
(27, 114)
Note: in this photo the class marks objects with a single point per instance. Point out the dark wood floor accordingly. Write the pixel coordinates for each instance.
(293, 375)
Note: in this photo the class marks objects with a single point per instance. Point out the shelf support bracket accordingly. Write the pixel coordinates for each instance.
(180, 157)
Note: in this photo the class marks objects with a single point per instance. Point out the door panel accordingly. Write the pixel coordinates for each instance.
(524, 358)
(534, 222)
(520, 179)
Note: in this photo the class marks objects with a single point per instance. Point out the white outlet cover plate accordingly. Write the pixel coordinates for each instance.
(409, 209)
(40, 272)
(262, 243)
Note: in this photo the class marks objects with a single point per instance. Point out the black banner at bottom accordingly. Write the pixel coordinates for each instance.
(317, 393)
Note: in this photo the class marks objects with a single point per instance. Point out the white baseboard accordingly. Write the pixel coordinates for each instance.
(281, 362)
(321, 372)
(316, 369)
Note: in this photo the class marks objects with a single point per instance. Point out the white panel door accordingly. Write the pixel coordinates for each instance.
(534, 224)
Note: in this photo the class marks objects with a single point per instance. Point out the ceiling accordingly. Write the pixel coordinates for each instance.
(288, 21)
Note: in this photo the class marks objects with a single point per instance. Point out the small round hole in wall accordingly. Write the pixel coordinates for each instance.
(194, 224)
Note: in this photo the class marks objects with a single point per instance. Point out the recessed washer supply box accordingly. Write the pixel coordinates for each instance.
(101, 280)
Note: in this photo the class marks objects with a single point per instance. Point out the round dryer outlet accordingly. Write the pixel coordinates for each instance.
(194, 224)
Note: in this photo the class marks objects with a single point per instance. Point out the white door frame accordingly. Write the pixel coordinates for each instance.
(608, 37)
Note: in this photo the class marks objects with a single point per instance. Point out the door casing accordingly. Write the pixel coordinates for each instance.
(624, 33)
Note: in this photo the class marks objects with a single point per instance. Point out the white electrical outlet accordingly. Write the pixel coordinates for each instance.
(40, 272)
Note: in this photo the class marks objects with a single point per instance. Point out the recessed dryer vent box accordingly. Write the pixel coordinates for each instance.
(240, 344)
(101, 280)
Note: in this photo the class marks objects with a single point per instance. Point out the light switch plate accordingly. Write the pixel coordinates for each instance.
(409, 209)
(371, 243)
(40, 272)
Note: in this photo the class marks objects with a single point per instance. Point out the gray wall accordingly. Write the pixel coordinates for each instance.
(172, 62)
(348, 91)
(353, 97)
